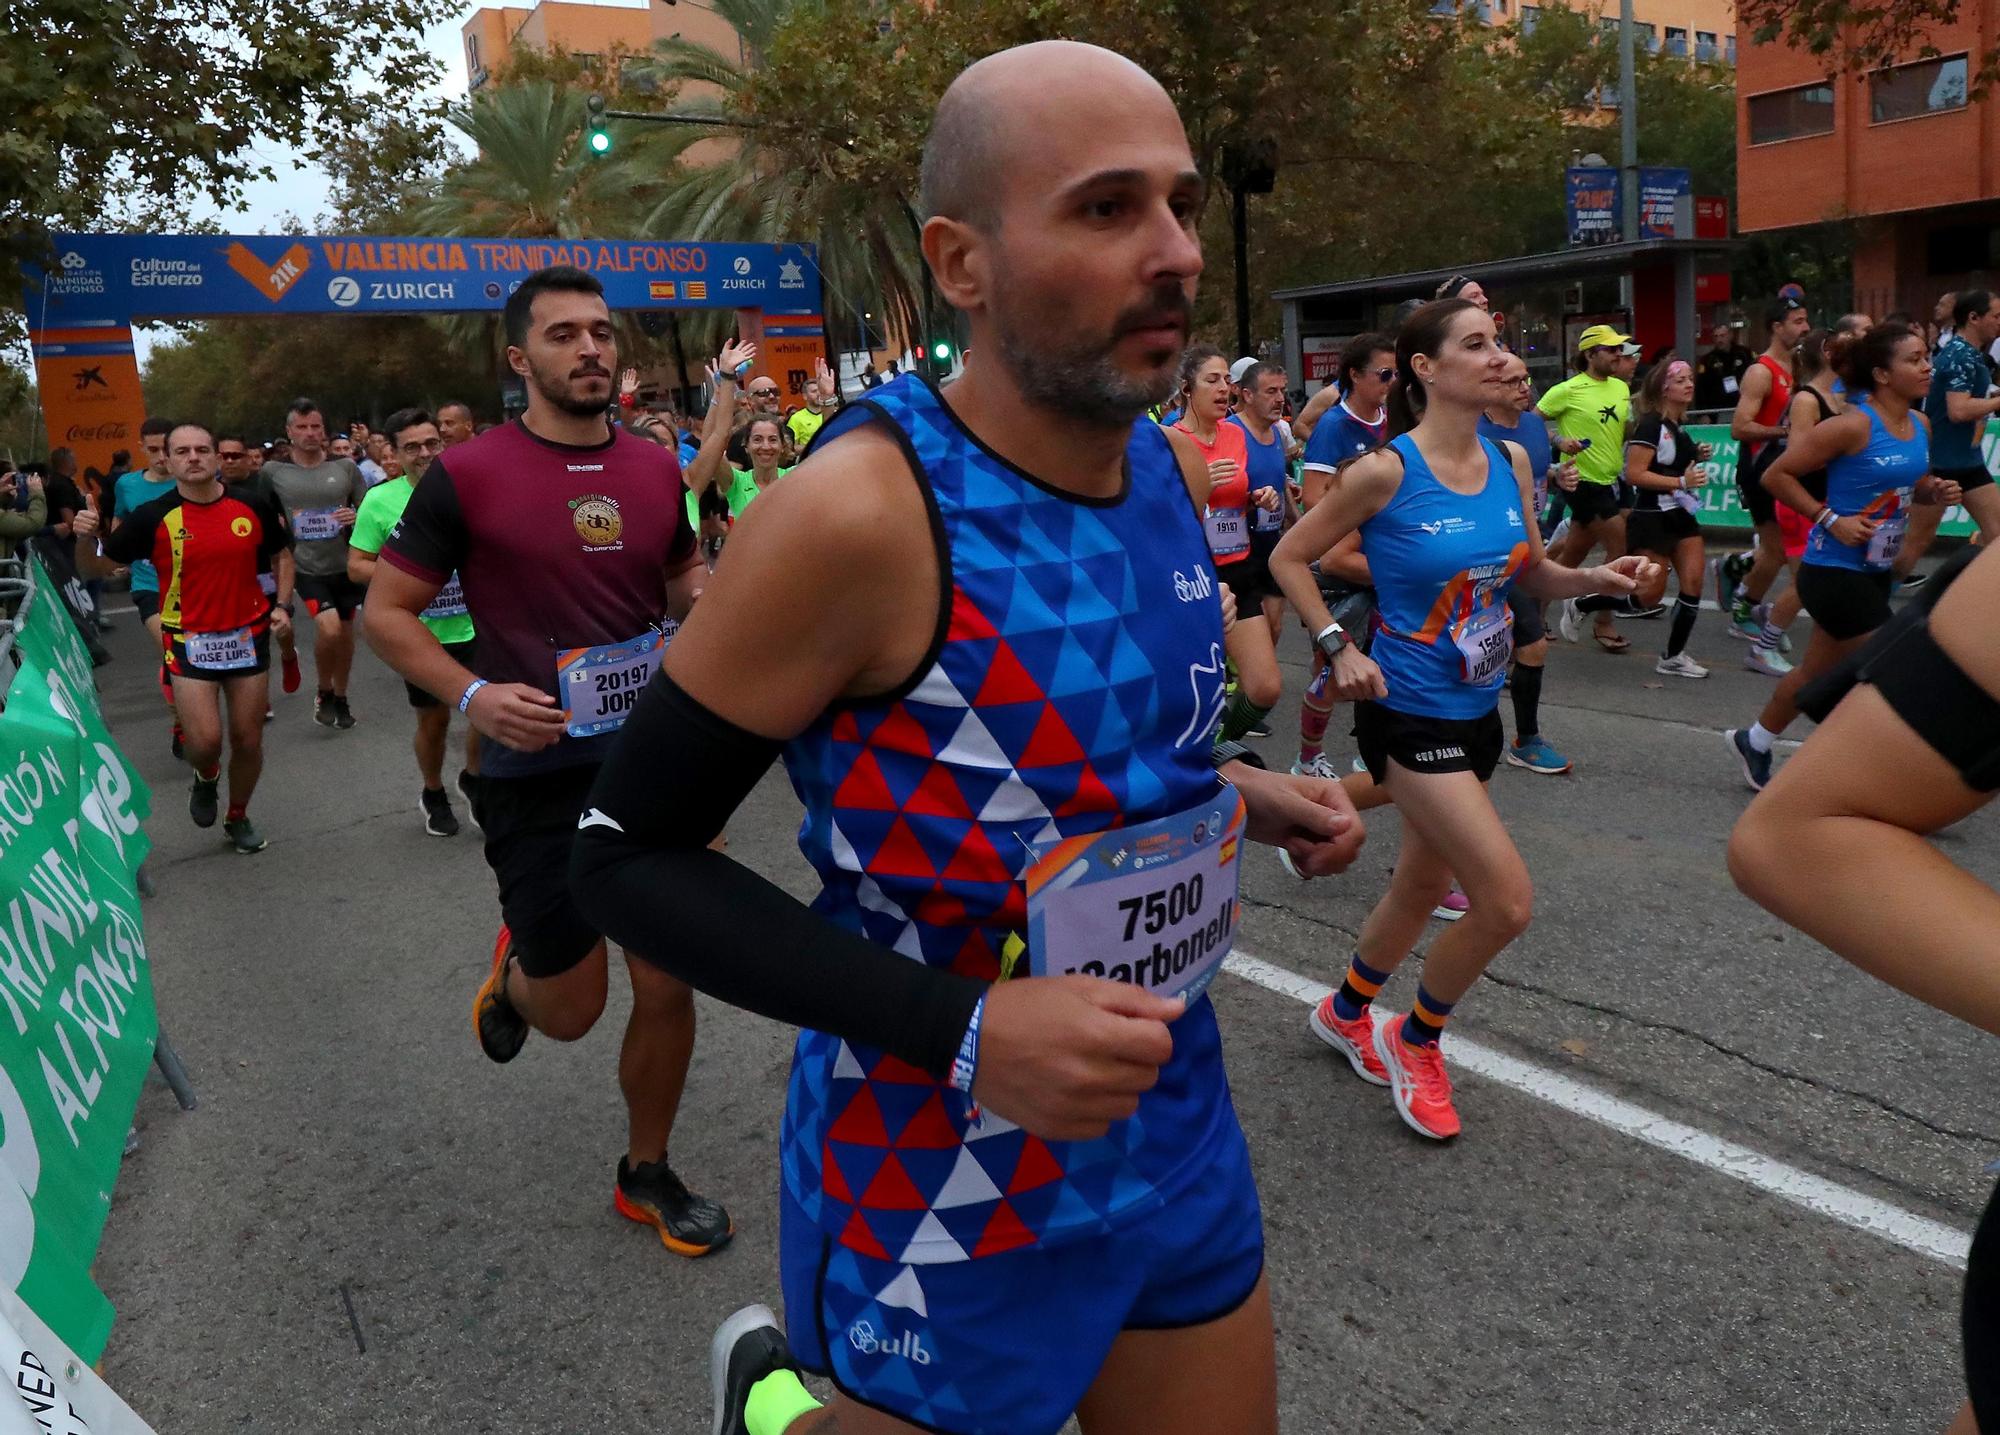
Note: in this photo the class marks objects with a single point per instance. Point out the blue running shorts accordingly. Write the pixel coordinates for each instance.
(1008, 1344)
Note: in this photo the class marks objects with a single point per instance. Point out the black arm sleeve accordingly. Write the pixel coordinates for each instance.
(642, 873)
(132, 539)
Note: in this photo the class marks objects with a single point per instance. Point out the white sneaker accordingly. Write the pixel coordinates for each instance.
(1768, 661)
(1318, 767)
(1569, 622)
(1680, 665)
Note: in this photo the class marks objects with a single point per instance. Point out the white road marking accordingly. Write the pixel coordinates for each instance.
(1942, 1243)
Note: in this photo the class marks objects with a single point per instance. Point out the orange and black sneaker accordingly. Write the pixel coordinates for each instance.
(500, 1028)
(651, 1194)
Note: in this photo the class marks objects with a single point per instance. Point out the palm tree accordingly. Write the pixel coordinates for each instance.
(534, 177)
(866, 237)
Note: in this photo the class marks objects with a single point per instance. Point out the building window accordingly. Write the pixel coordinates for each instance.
(1927, 87)
(1791, 114)
(1444, 7)
(1705, 48)
(1677, 40)
(1729, 48)
(1530, 16)
(1649, 36)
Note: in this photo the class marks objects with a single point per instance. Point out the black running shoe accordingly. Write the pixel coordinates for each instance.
(342, 717)
(243, 837)
(468, 788)
(323, 709)
(439, 819)
(653, 1195)
(202, 805)
(1258, 730)
(1913, 582)
(747, 1347)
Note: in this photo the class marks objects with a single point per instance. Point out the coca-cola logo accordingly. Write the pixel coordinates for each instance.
(85, 433)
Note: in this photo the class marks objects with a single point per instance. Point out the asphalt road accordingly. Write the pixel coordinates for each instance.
(367, 1227)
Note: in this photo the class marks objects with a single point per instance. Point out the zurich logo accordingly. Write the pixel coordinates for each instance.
(742, 265)
(73, 260)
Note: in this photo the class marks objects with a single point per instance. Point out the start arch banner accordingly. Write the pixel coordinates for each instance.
(81, 308)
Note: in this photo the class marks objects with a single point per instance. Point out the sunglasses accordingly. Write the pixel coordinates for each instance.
(764, 393)
(1385, 375)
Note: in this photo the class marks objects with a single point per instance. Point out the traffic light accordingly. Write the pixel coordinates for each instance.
(598, 134)
(941, 351)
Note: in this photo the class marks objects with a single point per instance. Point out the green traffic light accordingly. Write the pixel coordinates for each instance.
(600, 142)
(943, 351)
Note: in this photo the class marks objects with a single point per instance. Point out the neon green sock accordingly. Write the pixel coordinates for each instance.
(775, 1402)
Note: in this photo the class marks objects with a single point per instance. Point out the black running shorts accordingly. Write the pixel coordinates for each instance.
(1659, 531)
(340, 593)
(1976, 476)
(1251, 579)
(1593, 503)
(1757, 501)
(1427, 744)
(530, 825)
(1845, 602)
(421, 699)
(1529, 626)
(1981, 1318)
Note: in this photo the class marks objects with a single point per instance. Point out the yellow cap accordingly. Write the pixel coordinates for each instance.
(1600, 336)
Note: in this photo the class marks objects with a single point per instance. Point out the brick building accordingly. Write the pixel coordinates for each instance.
(1905, 151)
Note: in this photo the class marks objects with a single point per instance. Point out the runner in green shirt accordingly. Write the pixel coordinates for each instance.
(1588, 412)
(763, 438)
(414, 436)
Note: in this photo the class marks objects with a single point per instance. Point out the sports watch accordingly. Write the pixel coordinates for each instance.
(1331, 639)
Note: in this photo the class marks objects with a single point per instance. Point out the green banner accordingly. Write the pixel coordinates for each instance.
(76, 998)
(1722, 505)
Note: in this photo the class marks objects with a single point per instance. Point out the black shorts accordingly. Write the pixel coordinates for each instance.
(1844, 602)
(1251, 580)
(1593, 503)
(1659, 530)
(1757, 500)
(147, 601)
(1980, 1318)
(1968, 479)
(178, 666)
(1529, 626)
(1427, 744)
(530, 825)
(419, 699)
(340, 593)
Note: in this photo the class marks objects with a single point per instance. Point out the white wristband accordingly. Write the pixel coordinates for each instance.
(465, 698)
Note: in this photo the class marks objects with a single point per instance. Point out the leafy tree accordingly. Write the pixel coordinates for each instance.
(118, 109)
(241, 373)
(1863, 34)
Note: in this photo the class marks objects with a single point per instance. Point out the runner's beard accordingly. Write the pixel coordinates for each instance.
(561, 391)
(1080, 379)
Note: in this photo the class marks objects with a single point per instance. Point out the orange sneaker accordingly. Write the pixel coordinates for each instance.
(1418, 1082)
(652, 1195)
(500, 1029)
(1354, 1040)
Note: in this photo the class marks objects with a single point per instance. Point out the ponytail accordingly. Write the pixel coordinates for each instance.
(1856, 357)
(1405, 403)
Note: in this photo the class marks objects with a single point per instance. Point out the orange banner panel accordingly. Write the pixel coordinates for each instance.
(89, 382)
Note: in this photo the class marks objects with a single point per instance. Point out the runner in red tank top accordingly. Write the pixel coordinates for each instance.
(1204, 407)
(1760, 412)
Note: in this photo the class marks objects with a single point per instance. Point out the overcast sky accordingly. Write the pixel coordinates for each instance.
(298, 183)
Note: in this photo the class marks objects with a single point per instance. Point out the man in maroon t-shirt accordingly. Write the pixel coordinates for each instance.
(571, 543)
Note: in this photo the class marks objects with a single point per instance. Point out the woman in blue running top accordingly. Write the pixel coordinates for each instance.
(1877, 458)
(1443, 517)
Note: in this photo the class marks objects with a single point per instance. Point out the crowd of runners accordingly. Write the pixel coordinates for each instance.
(1014, 1187)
